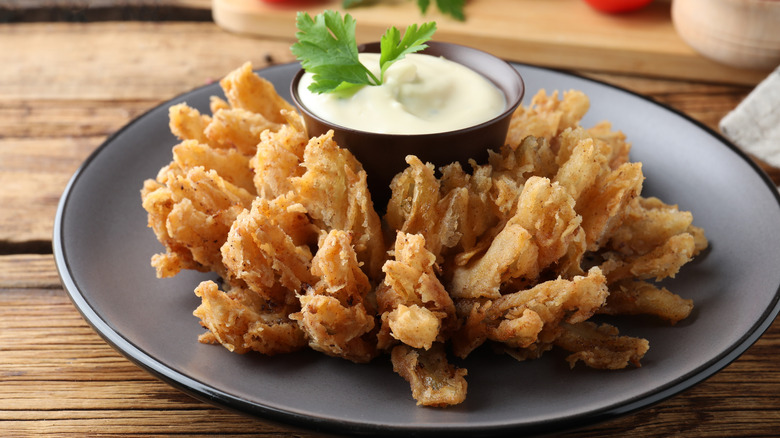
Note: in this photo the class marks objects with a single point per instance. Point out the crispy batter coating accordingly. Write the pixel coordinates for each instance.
(339, 271)
(524, 318)
(632, 297)
(448, 213)
(246, 90)
(662, 262)
(603, 205)
(414, 190)
(512, 253)
(700, 242)
(582, 167)
(414, 306)
(600, 346)
(239, 129)
(260, 252)
(519, 252)
(547, 116)
(242, 321)
(543, 230)
(188, 123)
(648, 224)
(278, 159)
(217, 103)
(546, 210)
(238, 123)
(614, 140)
(533, 156)
(336, 313)
(334, 329)
(230, 165)
(434, 381)
(191, 213)
(469, 208)
(334, 192)
(413, 204)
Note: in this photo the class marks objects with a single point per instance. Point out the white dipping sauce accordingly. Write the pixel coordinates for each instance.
(421, 94)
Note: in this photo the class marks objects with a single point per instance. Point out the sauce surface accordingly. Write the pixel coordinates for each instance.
(421, 94)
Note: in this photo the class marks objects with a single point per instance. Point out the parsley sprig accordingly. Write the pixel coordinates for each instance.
(327, 48)
(394, 48)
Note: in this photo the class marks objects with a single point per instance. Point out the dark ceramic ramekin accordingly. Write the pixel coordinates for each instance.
(383, 155)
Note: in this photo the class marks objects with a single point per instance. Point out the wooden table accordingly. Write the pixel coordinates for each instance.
(64, 87)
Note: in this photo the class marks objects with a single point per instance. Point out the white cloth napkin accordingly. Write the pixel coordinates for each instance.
(754, 125)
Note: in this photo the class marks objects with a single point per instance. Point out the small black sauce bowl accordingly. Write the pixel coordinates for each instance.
(383, 155)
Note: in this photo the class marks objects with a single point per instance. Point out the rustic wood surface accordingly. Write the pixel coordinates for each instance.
(64, 88)
(560, 33)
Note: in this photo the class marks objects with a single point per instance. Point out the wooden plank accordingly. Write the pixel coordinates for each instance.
(702, 102)
(142, 63)
(36, 4)
(128, 61)
(142, 422)
(33, 174)
(562, 33)
(42, 143)
(52, 119)
(28, 271)
(15, 11)
(66, 118)
(59, 378)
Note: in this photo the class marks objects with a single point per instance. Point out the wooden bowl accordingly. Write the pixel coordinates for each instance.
(739, 33)
(383, 155)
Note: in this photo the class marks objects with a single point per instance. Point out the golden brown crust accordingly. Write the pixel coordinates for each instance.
(434, 381)
(518, 252)
(336, 313)
(242, 321)
(414, 307)
(334, 191)
(600, 346)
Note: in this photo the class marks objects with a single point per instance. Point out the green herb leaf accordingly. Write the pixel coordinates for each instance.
(327, 48)
(393, 48)
(350, 3)
(452, 7)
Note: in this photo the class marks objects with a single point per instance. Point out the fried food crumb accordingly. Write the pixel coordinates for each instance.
(518, 252)
(434, 381)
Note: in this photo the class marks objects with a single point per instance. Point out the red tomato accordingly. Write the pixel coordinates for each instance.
(617, 6)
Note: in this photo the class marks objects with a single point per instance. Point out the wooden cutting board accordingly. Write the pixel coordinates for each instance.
(553, 33)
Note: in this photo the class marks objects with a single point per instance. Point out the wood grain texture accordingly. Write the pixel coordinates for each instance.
(26, 11)
(561, 33)
(116, 4)
(33, 174)
(125, 60)
(58, 378)
(51, 119)
(65, 88)
(28, 271)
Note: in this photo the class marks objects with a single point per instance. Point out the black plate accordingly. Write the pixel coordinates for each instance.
(102, 248)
